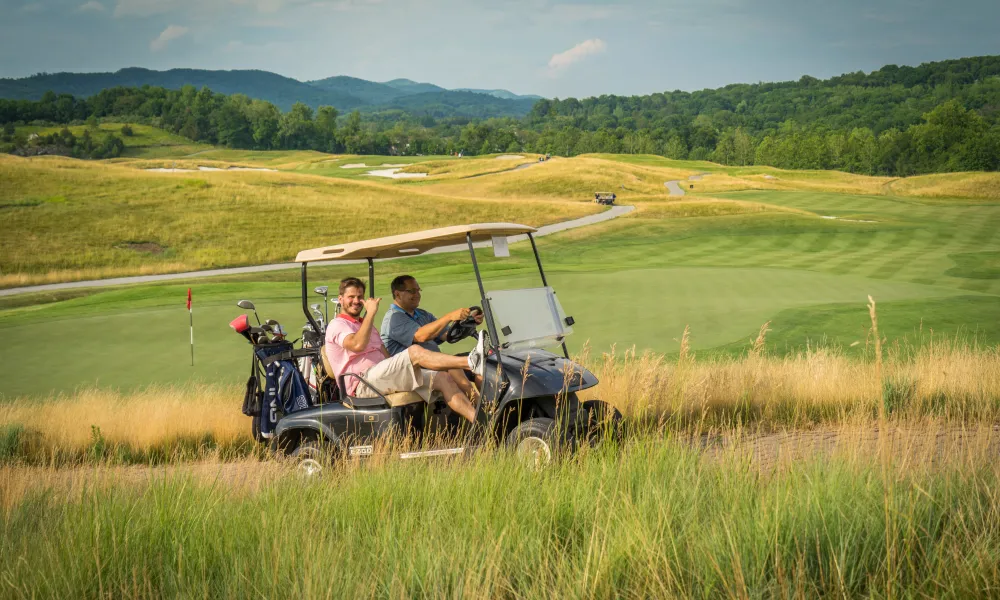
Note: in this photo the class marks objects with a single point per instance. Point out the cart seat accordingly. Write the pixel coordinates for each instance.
(403, 398)
(397, 399)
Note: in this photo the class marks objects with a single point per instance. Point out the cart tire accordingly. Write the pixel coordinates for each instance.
(534, 442)
(311, 459)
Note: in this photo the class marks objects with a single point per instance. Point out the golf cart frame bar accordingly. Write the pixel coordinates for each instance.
(418, 243)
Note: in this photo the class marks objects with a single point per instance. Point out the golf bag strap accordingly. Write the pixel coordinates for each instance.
(289, 354)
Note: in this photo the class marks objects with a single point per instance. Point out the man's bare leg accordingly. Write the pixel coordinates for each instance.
(456, 400)
(462, 381)
(435, 361)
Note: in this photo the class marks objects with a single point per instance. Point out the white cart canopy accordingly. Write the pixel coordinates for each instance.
(411, 244)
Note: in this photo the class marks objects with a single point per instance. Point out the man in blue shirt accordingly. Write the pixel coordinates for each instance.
(406, 324)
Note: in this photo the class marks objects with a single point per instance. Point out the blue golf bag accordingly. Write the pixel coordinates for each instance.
(285, 389)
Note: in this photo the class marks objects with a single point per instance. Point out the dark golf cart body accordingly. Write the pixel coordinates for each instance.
(528, 396)
(607, 198)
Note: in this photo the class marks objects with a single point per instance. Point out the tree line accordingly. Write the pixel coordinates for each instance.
(896, 121)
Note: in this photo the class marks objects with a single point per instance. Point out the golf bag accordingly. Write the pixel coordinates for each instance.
(285, 389)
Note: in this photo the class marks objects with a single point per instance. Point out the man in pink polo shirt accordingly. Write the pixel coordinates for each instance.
(352, 347)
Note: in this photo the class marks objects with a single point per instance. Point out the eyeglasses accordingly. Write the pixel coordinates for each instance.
(416, 291)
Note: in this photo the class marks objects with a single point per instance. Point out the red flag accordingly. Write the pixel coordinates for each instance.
(189, 299)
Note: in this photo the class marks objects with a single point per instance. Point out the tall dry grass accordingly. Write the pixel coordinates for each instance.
(944, 382)
(648, 520)
(69, 219)
(151, 425)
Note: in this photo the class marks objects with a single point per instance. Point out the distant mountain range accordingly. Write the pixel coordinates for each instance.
(344, 93)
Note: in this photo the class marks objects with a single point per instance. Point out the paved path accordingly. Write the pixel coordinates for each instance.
(676, 189)
(615, 211)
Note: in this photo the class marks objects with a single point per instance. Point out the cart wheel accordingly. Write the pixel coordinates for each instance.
(310, 459)
(533, 442)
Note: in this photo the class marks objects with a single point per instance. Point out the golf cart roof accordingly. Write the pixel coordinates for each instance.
(411, 244)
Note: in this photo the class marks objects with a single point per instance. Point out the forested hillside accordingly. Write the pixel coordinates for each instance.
(343, 93)
(942, 116)
(897, 120)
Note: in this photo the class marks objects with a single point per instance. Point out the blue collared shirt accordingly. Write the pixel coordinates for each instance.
(398, 328)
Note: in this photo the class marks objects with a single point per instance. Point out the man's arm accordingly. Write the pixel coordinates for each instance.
(357, 342)
(432, 330)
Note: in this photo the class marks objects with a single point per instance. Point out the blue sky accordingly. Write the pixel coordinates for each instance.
(547, 47)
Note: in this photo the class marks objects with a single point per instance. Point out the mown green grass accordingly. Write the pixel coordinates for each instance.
(636, 281)
(652, 520)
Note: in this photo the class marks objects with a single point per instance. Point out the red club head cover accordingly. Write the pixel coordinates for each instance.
(240, 323)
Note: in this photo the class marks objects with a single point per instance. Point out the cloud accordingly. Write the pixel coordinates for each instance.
(91, 6)
(576, 53)
(172, 32)
(32, 7)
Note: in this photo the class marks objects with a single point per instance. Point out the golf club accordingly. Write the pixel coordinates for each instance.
(322, 291)
(247, 305)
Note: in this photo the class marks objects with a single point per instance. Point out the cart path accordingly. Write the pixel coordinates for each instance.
(915, 447)
(614, 212)
(674, 187)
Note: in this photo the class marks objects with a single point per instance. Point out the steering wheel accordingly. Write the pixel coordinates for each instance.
(460, 330)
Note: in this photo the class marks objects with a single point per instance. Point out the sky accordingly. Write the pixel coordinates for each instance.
(546, 47)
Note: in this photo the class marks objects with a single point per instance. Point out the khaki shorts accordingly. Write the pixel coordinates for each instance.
(396, 374)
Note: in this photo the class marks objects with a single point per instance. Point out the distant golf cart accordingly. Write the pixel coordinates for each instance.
(607, 198)
(528, 400)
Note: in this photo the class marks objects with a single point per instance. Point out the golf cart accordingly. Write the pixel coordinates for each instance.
(607, 198)
(528, 400)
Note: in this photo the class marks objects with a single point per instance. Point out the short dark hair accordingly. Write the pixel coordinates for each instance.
(399, 284)
(349, 282)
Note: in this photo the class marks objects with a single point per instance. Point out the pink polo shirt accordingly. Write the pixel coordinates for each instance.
(343, 360)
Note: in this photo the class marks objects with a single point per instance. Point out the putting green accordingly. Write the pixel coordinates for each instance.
(114, 345)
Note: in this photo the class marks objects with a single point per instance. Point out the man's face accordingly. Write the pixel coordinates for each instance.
(409, 298)
(352, 301)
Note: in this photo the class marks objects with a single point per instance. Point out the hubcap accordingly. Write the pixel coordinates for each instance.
(534, 451)
(309, 467)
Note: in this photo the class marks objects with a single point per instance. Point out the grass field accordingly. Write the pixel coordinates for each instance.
(654, 519)
(774, 451)
(722, 264)
(71, 219)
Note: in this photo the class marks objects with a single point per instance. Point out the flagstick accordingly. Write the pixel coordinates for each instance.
(191, 315)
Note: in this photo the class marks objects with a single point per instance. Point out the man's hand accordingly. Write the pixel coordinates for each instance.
(459, 314)
(371, 306)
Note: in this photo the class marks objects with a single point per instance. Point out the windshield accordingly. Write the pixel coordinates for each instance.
(528, 318)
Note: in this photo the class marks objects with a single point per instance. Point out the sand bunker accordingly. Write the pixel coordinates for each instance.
(210, 169)
(395, 174)
(364, 166)
(846, 220)
(509, 157)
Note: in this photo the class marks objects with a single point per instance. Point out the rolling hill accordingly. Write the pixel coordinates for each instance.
(343, 92)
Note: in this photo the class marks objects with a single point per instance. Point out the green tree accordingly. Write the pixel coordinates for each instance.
(326, 128)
